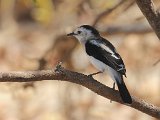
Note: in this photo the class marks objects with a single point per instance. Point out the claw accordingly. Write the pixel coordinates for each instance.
(58, 66)
(90, 76)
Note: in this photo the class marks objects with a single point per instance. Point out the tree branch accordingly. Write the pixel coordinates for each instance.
(153, 16)
(65, 75)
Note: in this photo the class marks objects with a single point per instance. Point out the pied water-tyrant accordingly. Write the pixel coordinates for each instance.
(103, 56)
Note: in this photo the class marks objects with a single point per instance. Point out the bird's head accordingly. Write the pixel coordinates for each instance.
(84, 33)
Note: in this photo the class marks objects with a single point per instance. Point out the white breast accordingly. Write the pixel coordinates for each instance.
(104, 68)
(98, 64)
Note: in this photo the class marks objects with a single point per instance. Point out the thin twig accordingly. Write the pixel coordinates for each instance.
(107, 12)
(158, 61)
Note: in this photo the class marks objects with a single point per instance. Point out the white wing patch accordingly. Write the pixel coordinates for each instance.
(109, 50)
(106, 48)
(113, 55)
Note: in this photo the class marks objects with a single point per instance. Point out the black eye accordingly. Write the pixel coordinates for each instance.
(79, 32)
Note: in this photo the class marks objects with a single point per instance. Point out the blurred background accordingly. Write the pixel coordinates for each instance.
(33, 37)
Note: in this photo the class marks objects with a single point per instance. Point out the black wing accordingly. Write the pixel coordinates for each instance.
(104, 51)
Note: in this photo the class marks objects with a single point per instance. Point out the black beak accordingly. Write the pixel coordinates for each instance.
(71, 34)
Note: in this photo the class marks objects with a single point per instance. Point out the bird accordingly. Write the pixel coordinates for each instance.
(103, 56)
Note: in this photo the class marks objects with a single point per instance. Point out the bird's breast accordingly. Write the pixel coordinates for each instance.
(98, 64)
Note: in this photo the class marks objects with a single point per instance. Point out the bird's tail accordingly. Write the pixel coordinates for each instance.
(124, 93)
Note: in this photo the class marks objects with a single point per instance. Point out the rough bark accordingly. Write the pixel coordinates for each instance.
(153, 16)
(65, 75)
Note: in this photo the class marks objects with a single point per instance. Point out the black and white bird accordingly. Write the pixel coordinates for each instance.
(103, 56)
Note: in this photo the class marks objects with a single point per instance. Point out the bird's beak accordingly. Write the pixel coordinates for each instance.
(71, 34)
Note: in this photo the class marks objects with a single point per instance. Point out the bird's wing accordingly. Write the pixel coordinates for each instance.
(106, 53)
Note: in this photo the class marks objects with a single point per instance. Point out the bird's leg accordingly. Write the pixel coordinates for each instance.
(113, 89)
(90, 75)
(114, 86)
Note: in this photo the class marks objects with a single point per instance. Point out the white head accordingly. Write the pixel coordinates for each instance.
(84, 33)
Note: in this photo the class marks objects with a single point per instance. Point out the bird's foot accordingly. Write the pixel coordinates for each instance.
(58, 67)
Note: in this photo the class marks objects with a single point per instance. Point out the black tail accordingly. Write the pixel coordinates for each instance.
(124, 93)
